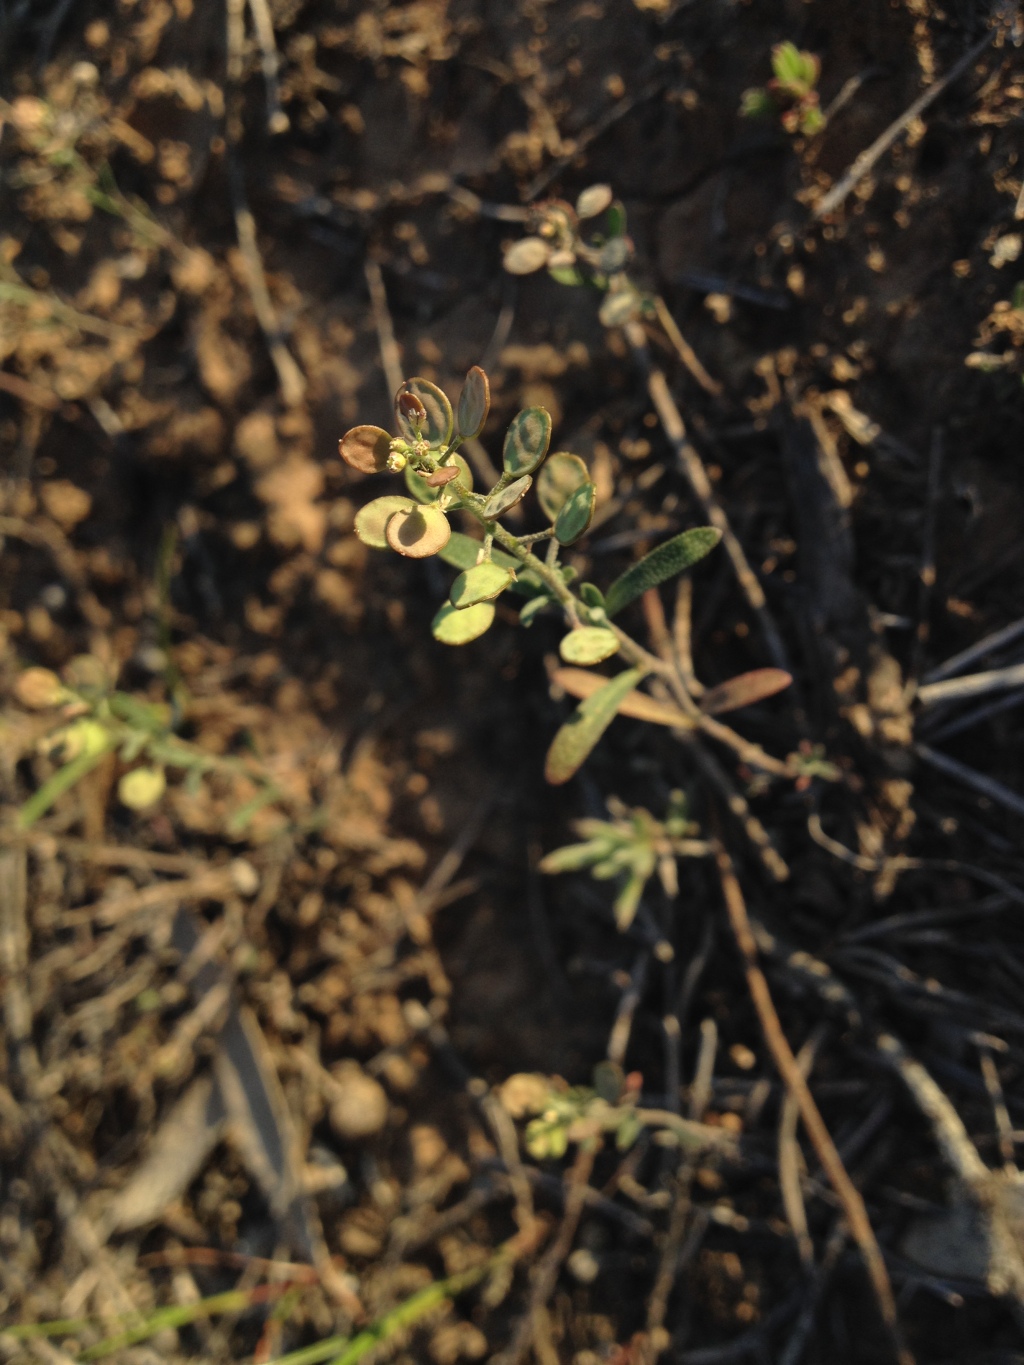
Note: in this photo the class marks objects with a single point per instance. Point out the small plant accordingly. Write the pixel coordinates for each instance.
(631, 848)
(94, 720)
(559, 1114)
(439, 483)
(597, 254)
(791, 95)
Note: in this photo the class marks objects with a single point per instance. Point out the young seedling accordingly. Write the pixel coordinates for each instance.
(93, 720)
(630, 848)
(439, 483)
(791, 95)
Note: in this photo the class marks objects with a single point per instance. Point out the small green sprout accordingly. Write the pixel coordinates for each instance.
(631, 848)
(790, 95)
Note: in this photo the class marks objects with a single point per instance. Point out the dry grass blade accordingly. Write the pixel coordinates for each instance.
(793, 1078)
(179, 1148)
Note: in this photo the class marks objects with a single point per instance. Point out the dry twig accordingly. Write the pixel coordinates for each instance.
(782, 1054)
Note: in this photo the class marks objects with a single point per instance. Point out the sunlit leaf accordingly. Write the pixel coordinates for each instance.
(661, 564)
(454, 627)
(474, 403)
(576, 515)
(461, 553)
(588, 645)
(593, 200)
(373, 518)
(527, 255)
(141, 788)
(366, 449)
(559, 477)
(419, 532)
(744, 690)
(438, 422)
(527, 441)
(502, 500)
(638, 705)
(482, 583)
(577, 737)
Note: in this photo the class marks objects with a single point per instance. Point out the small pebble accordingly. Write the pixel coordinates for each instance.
(360, 1106)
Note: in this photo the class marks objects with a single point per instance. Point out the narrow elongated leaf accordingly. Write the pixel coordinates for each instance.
(561, 475)
(744, 690)
(527, 441)
(373, 518)
(576, 515)
(661, 564)
(572, 745)
(462, 550)
(638, 705)
(439, 422)
(474, 403)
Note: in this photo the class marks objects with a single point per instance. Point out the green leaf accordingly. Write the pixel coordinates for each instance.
(566, 274)
(422, 492)
(577, 737)
(372, 519)
(616, 220)
(474, 403)
(461, 553)
(527, 441)
(570, 858)
(593, 597)
(502, 500)
(561, 475)
(439, 422)
(588, 645)
(787, 63)
(482, 583)
(454, 627)
(627, 902)
(661, 564)
(576, 515)
(533, 608)
(757, 103)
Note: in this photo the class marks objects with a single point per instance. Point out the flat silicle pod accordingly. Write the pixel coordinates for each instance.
(421, 489)
(474, 403)
(561, 475)
(527, 441)
(372, 519)
(588, 645)
(481, 583)
(366, 449)
(418, 532)
(664, 562)
(503, 499)
(454, 627)
(438, 422)
(576, 515)
(462, 552)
